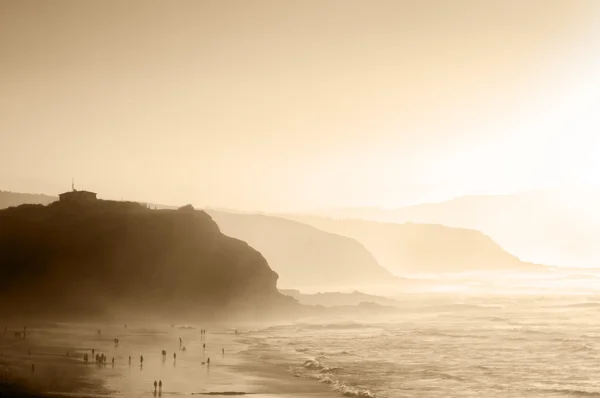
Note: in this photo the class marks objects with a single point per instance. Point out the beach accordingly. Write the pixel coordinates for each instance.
(56, 352)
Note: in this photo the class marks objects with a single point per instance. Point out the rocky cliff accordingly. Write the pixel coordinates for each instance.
(423, 248)
(305, 256)
(106, 256)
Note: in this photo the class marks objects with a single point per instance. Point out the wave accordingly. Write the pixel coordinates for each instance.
(335, 326)
(298, 327)
(334, 353)
(458, 307)
(440, 375)
(352, 392)
(569, 392)
(324, 375)
(579, 305)
(314, 364)
(343, 389)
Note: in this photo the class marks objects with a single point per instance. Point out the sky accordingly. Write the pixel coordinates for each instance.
(293, 105)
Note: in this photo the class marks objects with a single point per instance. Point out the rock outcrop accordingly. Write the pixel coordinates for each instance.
(107, 256)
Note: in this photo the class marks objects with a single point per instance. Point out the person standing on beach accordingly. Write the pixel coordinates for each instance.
(130, 360)
(113, 362)
(208, 361)
(155, 385)
(204, 346)
(141, 359)
(180, 342)
(93, 351)
(223, 351)
(160, 385)
(174, 356)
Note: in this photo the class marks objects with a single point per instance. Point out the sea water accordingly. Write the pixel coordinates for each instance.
(504, 346)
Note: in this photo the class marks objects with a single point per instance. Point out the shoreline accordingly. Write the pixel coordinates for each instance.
(57, 354)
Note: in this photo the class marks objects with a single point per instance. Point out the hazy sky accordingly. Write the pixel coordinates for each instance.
(280, 105)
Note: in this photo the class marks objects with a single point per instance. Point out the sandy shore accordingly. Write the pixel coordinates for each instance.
(56, 352)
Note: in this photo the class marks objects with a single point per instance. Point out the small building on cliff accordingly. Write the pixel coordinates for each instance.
(75, 196)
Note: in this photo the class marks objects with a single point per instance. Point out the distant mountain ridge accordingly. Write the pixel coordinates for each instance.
(557, 227)
(10, 199)
(423, 248)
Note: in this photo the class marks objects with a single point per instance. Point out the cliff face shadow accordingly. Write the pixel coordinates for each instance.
(106, 257)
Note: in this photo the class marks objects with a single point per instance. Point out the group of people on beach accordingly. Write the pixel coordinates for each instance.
(100, 358)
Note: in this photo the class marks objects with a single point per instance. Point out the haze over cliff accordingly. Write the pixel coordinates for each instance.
(305, 256)
(423, 248)
(556, 227)
(108, 257)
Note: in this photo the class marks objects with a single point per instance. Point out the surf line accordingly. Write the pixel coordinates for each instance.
(223, 393)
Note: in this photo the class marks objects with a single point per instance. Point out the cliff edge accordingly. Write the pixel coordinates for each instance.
(107, 257)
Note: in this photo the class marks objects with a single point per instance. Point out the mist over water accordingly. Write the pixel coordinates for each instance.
(493, 347)
(537, 338)
(357, 198)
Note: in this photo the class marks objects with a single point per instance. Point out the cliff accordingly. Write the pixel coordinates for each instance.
(110, 257)
(305, 256)
(422, 248)
(551, 226)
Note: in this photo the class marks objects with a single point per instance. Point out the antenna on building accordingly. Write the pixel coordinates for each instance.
(73, 184)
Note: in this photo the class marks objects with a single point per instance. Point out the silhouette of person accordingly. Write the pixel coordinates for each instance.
(160, 384)
(141, 359)
(130, 360)
(208, 361)
(155, 384)
(174, 356)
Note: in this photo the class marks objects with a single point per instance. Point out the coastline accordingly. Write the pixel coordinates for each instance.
(57, 354)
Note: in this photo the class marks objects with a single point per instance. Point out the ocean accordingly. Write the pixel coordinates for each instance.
(503, 346)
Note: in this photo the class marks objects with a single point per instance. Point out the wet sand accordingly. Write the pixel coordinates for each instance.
(57, 353)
